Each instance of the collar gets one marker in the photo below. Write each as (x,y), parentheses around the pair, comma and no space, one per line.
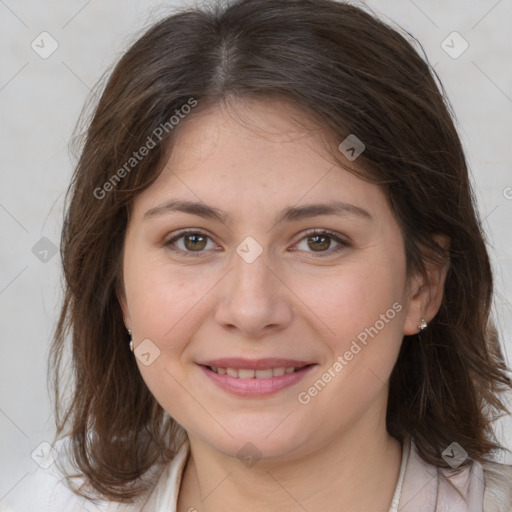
(429,488)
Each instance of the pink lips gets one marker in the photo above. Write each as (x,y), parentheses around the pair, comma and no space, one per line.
(254,387)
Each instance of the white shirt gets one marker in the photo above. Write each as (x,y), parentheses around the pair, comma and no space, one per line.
(419,488)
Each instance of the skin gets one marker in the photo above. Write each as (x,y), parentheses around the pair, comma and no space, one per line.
(309,303)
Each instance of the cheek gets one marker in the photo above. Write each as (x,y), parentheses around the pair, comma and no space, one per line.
(162,299)
(164,306)
(359,308)
(350,299)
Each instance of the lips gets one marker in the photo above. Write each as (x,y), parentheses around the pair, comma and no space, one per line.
(255,377)
(254,368)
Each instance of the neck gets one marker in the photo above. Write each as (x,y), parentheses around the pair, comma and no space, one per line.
(356,471)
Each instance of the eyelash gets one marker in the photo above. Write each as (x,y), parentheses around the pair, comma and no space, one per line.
(309,234)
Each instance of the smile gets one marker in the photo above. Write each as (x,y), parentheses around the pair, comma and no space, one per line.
(250,382)
(246,373)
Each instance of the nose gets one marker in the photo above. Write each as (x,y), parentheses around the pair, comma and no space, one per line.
(254,299)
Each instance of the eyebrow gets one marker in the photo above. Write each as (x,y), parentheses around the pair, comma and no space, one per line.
(290,214)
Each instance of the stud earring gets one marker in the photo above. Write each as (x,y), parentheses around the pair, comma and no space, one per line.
(131,341)
(422,325)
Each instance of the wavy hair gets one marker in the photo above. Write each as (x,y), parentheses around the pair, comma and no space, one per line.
(350,73)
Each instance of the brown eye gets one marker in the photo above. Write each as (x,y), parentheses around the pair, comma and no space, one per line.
(320,242)
(193,242)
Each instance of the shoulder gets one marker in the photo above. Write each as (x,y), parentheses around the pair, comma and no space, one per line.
(498,487)
(482,487)
(46,490)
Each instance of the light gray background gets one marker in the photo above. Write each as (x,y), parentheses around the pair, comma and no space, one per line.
(40,100)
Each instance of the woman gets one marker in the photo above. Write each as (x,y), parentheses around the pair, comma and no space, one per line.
(277,286)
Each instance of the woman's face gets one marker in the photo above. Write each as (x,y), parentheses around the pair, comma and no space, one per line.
(252,283)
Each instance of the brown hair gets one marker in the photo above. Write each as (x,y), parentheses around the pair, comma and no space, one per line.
(352,74)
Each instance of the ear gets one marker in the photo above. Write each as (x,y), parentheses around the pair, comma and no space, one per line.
(425,296)
(121,295)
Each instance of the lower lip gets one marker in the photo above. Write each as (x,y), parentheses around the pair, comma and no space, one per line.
(256,387)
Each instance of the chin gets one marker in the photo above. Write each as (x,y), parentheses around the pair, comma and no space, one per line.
(252,443)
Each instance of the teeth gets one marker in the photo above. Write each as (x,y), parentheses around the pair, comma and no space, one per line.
(264,374)
(243,373)
(232,372)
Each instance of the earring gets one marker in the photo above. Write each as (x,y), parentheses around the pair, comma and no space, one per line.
(131,341)
(422,325)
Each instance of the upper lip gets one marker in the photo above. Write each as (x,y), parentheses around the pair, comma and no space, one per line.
(254,364)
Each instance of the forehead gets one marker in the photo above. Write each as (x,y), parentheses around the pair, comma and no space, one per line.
(254,153)
(249,129)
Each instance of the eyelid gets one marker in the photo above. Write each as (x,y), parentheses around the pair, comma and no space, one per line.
(342,240)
